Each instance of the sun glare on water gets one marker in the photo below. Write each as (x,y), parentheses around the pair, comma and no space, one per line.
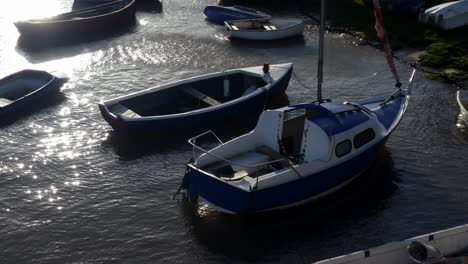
(26,9)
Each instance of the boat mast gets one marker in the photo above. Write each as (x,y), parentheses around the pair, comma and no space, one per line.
(320,58)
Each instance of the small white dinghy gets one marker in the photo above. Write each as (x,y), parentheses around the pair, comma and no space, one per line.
(265,28)
(462,99)
(447,15)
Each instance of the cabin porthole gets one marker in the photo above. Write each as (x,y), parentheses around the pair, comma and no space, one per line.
(343,148)
(364,137)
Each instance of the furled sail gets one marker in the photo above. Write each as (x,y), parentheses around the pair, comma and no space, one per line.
(381,32)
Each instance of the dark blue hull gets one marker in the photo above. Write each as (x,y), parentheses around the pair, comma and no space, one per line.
(27,101)
(231,199)
(218,14)
(195,122)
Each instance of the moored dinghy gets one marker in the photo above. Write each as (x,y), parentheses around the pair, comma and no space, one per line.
(265,29)
(22,89)
(219,14)
(93,19)
(197,103)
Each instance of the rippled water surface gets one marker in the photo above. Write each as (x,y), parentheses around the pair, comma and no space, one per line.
(72,191)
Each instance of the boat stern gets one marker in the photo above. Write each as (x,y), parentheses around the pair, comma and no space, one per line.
(217,192)
(113,120)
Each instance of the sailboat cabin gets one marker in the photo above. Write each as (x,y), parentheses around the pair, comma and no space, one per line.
(306,134)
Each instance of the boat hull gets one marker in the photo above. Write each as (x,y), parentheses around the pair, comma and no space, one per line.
(72,27)
(219,14)
(450,242)
(196,121)
(189,123)
(230,199)
(39,94)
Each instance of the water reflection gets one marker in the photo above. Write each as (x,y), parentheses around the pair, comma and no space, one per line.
(18,10)
(255,236)
(295,42)
(130,148)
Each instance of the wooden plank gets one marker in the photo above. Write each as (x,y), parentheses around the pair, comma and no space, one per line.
(4,102)
(122,110)
(201,96)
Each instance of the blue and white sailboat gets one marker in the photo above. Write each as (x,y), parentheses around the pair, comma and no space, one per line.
(295,154)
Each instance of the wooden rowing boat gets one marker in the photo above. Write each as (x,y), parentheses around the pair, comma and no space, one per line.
(25,88)
(98,18)
(198,103)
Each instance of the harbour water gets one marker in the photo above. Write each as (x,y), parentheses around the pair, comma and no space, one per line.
(71,191)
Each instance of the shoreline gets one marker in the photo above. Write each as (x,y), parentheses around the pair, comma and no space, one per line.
(406,55)
(440,55)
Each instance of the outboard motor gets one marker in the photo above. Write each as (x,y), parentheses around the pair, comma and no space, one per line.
(422,253)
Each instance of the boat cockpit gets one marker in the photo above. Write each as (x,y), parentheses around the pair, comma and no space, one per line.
(287,137)
(189,96)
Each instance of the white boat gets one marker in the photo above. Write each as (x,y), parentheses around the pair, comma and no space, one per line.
(448,242)
(447,15)
(462,99)
(265,28)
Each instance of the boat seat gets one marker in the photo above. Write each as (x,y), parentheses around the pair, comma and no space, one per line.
(122,110)
(234,27)
(269,27)
(4,102)
(275,155)
(201,96)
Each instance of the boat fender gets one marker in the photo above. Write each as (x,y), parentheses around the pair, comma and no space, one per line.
(227,91)
(266,73)
(422,253)
(266,68)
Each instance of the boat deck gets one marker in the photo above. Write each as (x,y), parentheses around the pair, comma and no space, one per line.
(234,170)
